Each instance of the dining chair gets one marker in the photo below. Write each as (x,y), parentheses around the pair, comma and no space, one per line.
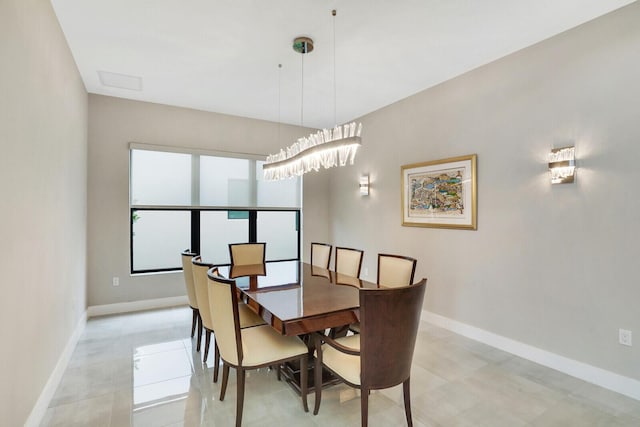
(247,253)
(249,348)
(186,256)
(393,271)
(380,356)
(348,261)
(321,254)
(247,317)
(200,269)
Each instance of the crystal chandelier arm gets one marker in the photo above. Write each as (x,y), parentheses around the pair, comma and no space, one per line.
(315,151)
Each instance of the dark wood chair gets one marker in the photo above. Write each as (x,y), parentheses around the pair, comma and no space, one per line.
(349,261)
(393,271)
(247,253)
(196,322)
(249,348)
(381,355)
(321,254)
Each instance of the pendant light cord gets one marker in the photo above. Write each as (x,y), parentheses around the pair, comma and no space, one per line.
(279,99)
(302,92)
(335,96)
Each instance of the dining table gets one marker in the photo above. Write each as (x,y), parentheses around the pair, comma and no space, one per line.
(297,299)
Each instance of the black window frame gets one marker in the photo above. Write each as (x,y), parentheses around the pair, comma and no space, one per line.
(195,230)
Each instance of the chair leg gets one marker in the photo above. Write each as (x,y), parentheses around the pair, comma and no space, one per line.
(407,402)
(199,331)
(364,406)
(304,373)
(207,338)
(225,379)
(240,398)
(194,321)
(317,369)
(216,360)
(339,332)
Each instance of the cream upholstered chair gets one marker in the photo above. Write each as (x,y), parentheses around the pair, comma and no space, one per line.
(247,253)
(348,261)
(393,271)
(321,254)
(247,317)
(248,348)
(380,357)
(200,269)
(186,256)
(348,264)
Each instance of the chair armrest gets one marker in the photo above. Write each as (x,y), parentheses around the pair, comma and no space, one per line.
(320,338)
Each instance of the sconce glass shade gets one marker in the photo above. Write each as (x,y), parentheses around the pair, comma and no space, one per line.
(364,185)
(562,165)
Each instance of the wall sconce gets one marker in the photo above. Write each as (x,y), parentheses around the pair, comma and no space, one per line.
(562,165)
(364,185)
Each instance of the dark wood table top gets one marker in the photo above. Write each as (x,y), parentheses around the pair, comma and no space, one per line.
(297,298)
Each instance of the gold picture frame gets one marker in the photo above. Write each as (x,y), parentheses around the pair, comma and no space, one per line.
(440,193)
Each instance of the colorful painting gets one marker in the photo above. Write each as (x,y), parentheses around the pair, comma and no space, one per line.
(440,193)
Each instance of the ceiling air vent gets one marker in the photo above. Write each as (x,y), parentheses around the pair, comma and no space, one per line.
(120,81)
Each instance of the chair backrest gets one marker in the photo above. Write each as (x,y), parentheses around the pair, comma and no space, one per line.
(247,253)
(224,314)
(389,320)
(202,290)
(321,254)
(186,256)
(348,261)
(395,270)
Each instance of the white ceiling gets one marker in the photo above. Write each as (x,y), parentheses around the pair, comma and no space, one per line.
(223,55)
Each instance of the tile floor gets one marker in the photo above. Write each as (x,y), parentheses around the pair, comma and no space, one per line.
(141,369)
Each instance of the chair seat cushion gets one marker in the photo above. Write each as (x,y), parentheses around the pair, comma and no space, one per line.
(262,345)
(345,365)
(248,317)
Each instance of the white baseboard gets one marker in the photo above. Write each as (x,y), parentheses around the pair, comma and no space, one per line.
(607,379)
(40,408)
(128,307)
(42,404)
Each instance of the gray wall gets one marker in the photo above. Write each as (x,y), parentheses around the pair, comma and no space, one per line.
(43,124)
(551,266)
(113,123)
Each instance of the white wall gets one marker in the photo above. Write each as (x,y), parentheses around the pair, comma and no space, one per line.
(551,266)
(43,124)
(113,123)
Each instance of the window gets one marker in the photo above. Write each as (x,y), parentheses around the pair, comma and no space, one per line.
(203,202)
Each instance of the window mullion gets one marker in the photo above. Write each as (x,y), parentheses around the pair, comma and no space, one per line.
(195,180)
(253,184)
(253,226)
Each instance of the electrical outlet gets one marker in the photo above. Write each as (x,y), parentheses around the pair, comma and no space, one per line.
(365,272)
(116,281)
(625,337)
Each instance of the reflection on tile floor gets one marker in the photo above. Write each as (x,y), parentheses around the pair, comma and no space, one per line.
(141,369)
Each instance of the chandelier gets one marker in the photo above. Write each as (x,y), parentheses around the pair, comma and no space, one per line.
(326,148)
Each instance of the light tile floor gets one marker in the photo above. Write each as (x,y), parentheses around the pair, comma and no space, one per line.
(141,369)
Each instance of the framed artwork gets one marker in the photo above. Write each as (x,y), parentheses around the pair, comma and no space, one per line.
(440,193)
